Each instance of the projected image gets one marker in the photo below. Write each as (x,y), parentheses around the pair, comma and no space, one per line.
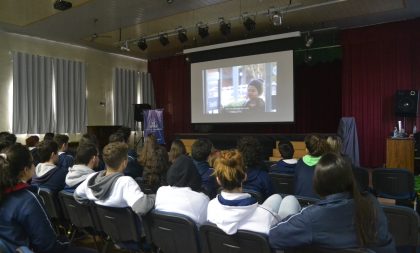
(240,89)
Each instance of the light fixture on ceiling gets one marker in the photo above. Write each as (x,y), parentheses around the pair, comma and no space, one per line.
(62,5)
(142,44)
(163,38)
(249,23)
(203,30)
(276,17)
(224,26)
(124,47)
(182,35)
(169,1)
(309,40)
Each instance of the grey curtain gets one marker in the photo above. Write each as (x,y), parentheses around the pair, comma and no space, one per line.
(32,94)
(347,130)
(125,96)
(146,89)
(70,90)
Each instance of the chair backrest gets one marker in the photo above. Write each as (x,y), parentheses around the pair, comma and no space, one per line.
(283,183)
(362,178)
(403,224)
(51,203)
(214,240)
(313,249)
(119,223)
(256,195)
(79,214)
(173,233)
(306,201)
(393,183)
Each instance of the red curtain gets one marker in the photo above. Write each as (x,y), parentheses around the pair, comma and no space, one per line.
(378,61)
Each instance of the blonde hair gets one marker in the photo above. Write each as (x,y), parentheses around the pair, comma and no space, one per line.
(334,144)
(229,169)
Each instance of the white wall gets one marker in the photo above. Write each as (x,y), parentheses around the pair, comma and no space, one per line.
(99,67)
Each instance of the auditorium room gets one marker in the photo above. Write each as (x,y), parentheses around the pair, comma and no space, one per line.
(209,126)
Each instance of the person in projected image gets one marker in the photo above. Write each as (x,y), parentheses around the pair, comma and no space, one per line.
(254,102)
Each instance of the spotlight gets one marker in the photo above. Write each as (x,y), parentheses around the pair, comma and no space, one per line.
(62,5)
(142,44)
(249,24)
(124,47)
(182,35)
(163,38)
(309,40)
(276,18)
(203,30)
(169,1)
(224,27)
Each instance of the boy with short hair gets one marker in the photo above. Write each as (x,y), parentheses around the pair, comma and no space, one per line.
(287,164)
(65,161)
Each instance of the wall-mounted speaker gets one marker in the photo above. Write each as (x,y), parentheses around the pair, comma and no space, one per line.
(138,111)
(406,103)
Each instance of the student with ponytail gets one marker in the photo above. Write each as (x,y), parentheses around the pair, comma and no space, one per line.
(343,219)
(23,219)
(232,209)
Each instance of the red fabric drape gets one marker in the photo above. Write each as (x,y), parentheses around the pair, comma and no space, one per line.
(378,61)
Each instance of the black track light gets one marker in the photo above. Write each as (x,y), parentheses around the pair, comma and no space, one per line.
(62,5)
(142,44)
(163,38)
(249,24)
(182,35)
(224,27)
(203,31)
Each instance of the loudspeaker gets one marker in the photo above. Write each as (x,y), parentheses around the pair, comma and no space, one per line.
(138,111)
(406,103)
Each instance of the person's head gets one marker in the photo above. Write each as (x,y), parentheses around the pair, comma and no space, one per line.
(334,144)
(62,141)
(6,140)
(183,173)
(286,149)
(126,132)
(155,167)
(177,149)
(49,136)
(255,88)
(150,144)
(116,137)
(229,170)
(251,151)
(200,150)
(333,174)
(115,156)
(87,154)
(16,165)
(48,151)
(32,141)
(315,145)
(88,138)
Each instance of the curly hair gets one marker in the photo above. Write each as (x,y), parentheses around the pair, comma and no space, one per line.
(251,150)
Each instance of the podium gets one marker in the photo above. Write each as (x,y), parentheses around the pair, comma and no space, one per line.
(400,153)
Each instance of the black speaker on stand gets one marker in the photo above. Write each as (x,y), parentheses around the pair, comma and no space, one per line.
(139,118)
(406,103)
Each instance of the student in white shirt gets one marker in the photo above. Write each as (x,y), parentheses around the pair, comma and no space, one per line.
(87,158)
(110,187)
(232,209)
(183,195)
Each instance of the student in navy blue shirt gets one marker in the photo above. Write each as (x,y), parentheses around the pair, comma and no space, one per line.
(287,164)
(200,151)
(47,173)
(343,219)
(257,179)
(65,160)
(133,168)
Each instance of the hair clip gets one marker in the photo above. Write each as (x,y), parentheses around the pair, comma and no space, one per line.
(3,155)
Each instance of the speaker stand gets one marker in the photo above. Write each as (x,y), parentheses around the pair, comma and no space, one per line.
(140,141)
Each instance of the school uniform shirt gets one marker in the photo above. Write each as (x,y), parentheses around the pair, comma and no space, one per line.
(115,190)
(77,174)
(304,172)
(329,224)
(285,166)
(183,200)
(49,176)
(208,182)
(234,211)
(258,180)
(65,161)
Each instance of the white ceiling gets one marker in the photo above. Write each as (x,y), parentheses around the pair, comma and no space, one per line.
(132,19)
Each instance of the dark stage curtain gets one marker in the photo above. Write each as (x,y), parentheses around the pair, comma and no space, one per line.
(378,61)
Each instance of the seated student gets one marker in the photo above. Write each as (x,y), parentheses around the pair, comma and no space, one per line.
(133,168)
(177,149)
(183,194)
(6,139)
(22,216)
(48,136)
(86,160)
(305,167)
(232,209)
(288,163)
(200,151)
(47,173)
(91,138)
(110,187)
(343,219)
(65,161)
(258,179)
